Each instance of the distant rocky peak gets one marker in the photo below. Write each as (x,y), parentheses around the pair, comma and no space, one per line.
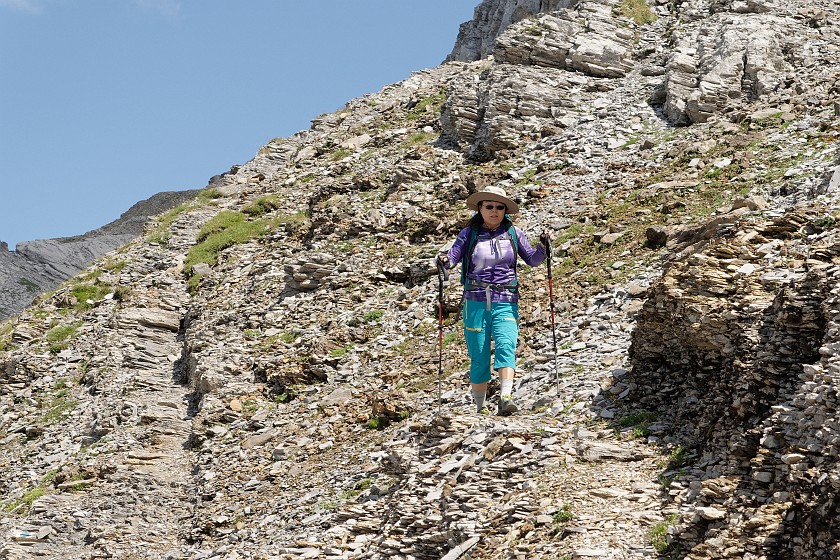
(476,38)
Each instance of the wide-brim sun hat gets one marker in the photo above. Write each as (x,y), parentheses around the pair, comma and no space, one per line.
(496,194)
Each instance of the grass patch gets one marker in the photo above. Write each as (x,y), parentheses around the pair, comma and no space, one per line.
(677,458)
(296,223)
(82,482)
(343,351)
(208,195)
(419,138)
(339,154)
(373,316)
(658,535)
(378,423)
(86,294)
(59,337)
(430,104)
(23,504)
(226,229)
(528,178)
(114,267)
(6,331)
(160,233)
(563,515)
(262,206)
(59,407)
(639,422)
(637,10)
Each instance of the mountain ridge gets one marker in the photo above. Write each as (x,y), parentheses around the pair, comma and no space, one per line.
(40,265)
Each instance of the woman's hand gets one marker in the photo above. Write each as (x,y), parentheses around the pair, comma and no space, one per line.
(546,237)
(442,261)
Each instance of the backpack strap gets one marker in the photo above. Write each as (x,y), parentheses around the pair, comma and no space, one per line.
(514,242)
(466,258)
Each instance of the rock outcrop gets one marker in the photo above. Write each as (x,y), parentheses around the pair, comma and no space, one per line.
(746,52)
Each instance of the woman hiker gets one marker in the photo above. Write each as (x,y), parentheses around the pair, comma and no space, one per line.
(487,249)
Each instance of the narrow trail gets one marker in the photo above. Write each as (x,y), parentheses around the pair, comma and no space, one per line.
(132,490)
(557,476)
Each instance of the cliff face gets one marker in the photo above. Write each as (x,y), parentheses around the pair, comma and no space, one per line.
(735,349)
(38,266)
(257,375)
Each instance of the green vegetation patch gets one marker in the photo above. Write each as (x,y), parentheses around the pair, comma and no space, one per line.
(85,293)
(343,351)
(677,458)
(209,194)
(373,316)
(160,233)
(639,422)
(430,104)
(89,289)
(58,407)
(23,504)
(6,331)
(637,10)
(420,138)
(378,423)
(658,535)
(59,337)
(563,515)
(339,154)
(114,266)
(262,206)
(295,224)
(226,229)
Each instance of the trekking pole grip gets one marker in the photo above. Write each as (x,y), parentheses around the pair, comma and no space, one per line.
(545,239)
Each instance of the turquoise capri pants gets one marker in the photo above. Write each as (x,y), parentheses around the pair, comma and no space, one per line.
(499,323)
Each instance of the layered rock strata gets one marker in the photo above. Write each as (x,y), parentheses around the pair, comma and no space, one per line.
(735,350)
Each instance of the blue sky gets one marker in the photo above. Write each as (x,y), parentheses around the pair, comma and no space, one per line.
(106,102)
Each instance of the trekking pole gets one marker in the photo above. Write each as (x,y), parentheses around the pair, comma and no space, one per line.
(547,243)
(441,277)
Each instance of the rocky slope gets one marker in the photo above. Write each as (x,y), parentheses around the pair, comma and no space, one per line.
(38,266)
(257,376)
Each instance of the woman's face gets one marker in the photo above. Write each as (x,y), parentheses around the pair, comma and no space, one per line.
(493,213)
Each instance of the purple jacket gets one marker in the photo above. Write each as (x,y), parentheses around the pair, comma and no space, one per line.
(493,261)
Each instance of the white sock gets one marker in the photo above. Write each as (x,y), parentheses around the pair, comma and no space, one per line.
(507,387)
(479,399)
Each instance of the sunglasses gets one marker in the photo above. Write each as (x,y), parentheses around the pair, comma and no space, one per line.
(492,206)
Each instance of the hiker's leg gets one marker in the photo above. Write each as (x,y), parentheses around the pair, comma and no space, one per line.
(505,327)
(477,337)
(506,381)
(506,334)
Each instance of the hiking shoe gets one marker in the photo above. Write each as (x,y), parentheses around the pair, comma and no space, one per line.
(485,411)
(506,406)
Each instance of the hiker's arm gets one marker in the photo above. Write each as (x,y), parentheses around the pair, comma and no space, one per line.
(457,250)
(532,256)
